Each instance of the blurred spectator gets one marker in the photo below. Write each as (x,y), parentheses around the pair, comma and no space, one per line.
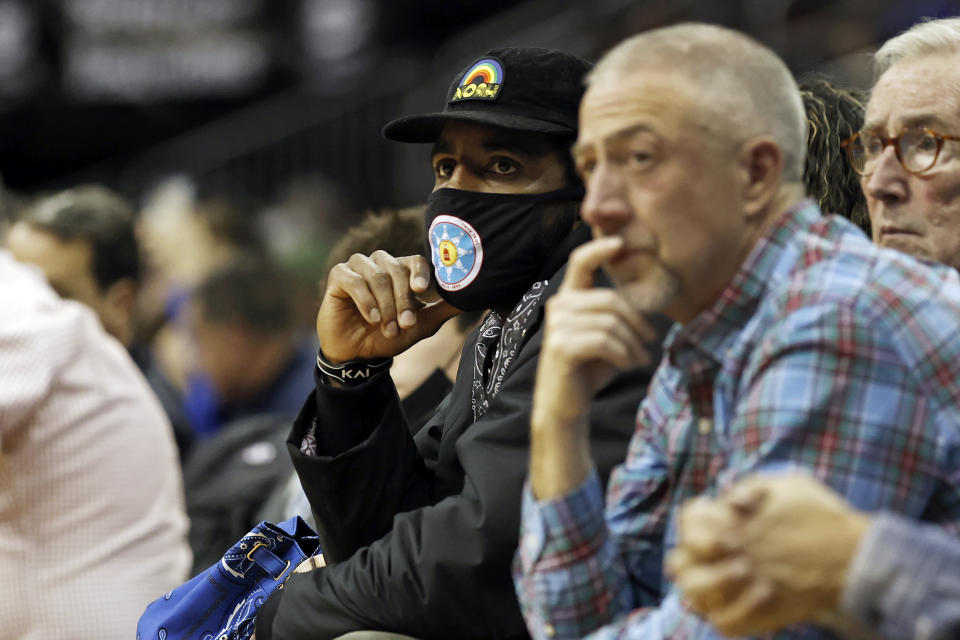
(833,115)
(184,240)
(258,371)
(228,478)
(241,321)
(9,207)
(396,231)
(83,241)
(91,501)
(298,229)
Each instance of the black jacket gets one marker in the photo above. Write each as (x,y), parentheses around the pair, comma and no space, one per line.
(419,534)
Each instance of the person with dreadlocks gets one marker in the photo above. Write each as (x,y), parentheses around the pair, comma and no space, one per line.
(834,113)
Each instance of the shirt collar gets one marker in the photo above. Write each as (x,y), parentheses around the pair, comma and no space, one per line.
(712,332)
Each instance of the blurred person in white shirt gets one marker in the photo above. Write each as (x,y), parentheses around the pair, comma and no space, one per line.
(83,240)
(92,526)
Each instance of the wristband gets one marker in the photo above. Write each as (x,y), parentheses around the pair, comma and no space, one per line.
(352,372)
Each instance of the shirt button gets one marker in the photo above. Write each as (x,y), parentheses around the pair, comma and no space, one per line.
(704,426)
(549,630)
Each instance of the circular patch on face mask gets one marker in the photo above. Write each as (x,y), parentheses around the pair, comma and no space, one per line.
(456,252)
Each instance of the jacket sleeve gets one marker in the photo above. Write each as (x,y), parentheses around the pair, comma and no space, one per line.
(443,571)
(366,467)
(904,580)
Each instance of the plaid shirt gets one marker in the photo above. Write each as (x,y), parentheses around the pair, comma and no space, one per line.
(824,353)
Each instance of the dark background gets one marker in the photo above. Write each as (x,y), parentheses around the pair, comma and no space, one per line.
(262,98)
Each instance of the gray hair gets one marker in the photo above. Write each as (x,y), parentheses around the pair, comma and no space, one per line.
(745,87)
(925,38)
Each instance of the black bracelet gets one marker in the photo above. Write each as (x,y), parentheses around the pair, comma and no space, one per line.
(352,372)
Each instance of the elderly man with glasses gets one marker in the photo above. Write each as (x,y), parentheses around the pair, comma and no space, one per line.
(780,540)
(907,151)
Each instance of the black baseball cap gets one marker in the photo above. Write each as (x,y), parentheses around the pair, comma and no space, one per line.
(518,88)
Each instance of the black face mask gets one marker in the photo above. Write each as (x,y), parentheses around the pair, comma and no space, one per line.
(487,249)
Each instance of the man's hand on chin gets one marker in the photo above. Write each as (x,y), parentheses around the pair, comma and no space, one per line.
(590,334)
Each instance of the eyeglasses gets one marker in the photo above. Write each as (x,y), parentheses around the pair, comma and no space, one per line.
(916,149)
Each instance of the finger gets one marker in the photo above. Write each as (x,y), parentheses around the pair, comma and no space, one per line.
(430,317)
(566,325)
(708,528)
(403,297)
(747,496)
(586,259)
(590,346)
(344,282)
(604,300)
(752,611)
(381,286)
(419,268)
(678,560)
(708,587)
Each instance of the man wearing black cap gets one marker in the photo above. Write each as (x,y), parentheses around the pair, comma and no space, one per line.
(418,533)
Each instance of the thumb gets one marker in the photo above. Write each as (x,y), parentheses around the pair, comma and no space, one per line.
(586,259)
(419,268)
(430,317)
(746,497)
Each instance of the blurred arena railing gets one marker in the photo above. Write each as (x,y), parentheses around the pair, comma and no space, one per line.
(255,151)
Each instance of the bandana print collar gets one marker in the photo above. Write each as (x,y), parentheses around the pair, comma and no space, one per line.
(497,345)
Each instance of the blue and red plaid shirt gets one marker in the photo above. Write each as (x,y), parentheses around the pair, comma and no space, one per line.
(824,353)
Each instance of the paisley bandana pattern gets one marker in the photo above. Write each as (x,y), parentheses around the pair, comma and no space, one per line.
(497,345)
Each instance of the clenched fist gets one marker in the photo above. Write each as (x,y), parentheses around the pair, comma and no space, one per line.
(770,552)
(373,307)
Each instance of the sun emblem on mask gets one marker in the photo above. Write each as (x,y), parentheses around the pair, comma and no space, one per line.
(447,252)
(457,252)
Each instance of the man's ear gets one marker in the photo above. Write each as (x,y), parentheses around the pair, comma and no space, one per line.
(761,160)
(121,297)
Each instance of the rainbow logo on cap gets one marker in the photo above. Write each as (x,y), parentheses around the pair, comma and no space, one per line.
(482,81)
